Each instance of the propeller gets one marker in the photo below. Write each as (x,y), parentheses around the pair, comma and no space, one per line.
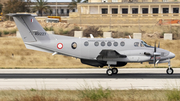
(159,45)
(154,55)
(154,61)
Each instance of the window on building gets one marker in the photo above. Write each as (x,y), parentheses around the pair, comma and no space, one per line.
(62,11)
(175,10)
(73,10)
(114,11)
(154,0)
(67,11)
(124,10)
(50,11)
(144,10)
(165,0)
(57,11)
(145,0)
(114,0)
(104,11)
(125,0)
(134,10)
(133,0)
(165,10)
(155,10)
(104,0)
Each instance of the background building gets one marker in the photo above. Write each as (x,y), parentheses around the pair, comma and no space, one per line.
(62,9)
(125,12)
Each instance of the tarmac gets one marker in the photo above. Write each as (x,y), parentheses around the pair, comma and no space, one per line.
(79,79)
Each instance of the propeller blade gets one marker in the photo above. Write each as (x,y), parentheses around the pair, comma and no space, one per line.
(154,61)
(157,62)
(159,45)
(155,47)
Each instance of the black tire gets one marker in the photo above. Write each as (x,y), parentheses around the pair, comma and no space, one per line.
(114,70)
(169,71)
(109,72)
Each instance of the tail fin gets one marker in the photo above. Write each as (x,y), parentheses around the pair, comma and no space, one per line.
(29,28)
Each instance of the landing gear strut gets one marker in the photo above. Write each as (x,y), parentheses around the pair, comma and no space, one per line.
(112,71)
(169,70)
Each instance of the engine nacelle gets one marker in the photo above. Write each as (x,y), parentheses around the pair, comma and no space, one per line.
(101,63)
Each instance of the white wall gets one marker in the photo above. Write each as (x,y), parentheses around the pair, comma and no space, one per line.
(93,10)
(94,1)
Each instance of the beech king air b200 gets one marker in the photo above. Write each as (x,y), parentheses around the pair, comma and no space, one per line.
(97,52)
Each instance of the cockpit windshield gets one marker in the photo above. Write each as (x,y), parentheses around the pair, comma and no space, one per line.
(145,44)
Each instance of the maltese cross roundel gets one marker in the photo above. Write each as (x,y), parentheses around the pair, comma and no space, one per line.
(59,45)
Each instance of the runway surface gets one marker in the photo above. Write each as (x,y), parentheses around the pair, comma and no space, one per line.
(92,76)
(73,79)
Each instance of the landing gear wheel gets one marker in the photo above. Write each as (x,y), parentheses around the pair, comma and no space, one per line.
(169,71)
(114,70)
(109,72)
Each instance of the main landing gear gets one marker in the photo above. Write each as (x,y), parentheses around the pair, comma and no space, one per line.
(169,70)
(112,71)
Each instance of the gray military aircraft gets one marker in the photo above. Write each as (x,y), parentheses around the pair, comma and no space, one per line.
(97,52)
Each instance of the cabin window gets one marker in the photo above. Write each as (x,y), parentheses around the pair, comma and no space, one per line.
(122,43)
(115,44)
(136,44)
(103,43)
(96,43)
(141,45)
(109,43)
(86,43)
(74,45)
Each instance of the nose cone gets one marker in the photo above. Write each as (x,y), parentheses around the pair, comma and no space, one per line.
(171,55)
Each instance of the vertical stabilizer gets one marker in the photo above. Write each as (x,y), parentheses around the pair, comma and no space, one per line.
(29,28)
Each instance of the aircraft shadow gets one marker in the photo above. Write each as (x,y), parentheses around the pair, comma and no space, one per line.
(91,75)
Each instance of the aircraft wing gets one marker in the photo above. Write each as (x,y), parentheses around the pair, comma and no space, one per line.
(107,54)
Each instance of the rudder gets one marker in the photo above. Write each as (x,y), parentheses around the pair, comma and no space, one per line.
(29,28)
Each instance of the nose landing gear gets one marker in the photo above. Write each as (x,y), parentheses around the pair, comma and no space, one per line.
(112,71)
(169,71)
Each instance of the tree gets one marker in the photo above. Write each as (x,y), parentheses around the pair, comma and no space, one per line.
(1,6)
(85,1)
(73,4)
(41,6)
(14,6)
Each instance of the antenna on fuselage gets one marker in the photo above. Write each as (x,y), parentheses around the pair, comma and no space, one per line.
(91,36)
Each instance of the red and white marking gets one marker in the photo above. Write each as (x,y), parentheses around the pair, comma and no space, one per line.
(31,20)
(59,45)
